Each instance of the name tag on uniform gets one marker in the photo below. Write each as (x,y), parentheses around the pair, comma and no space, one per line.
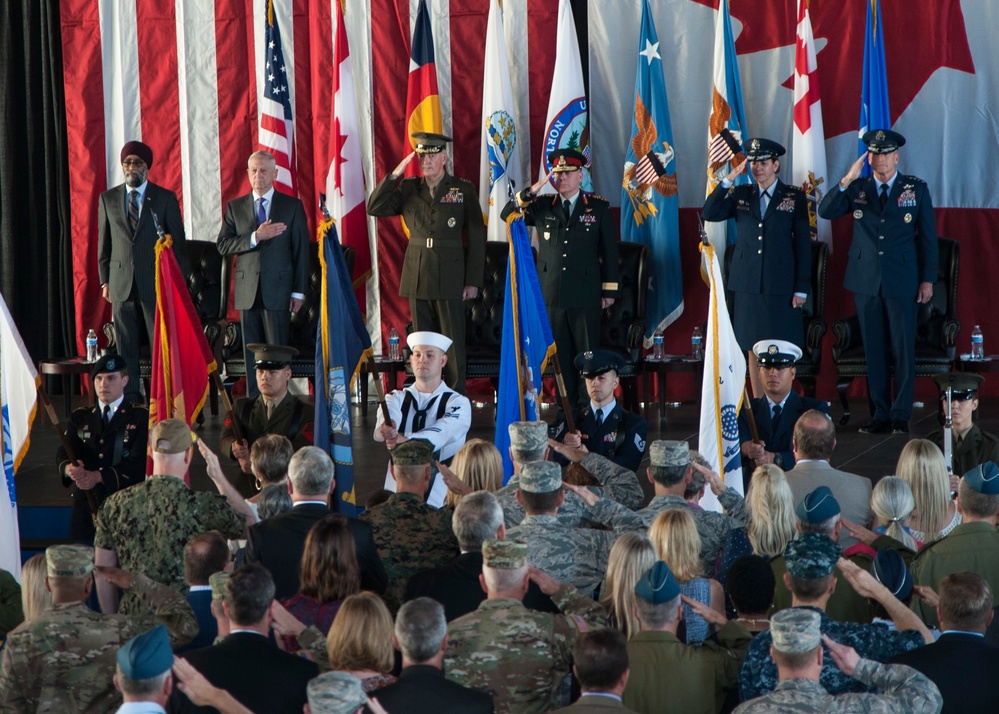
(907,199)
(742,205)
(787,205)
(453,196)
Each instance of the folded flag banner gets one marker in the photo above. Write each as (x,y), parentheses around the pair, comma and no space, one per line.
(342,344)
(723,386)
(527,341)
(19,383)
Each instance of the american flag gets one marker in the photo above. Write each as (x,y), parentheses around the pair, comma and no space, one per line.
(724,145)
(649,168)
(277,129)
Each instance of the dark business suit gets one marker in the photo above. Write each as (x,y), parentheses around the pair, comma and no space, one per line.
(277,543)
(778,441)
(437,267)
(422,687)
(893,251)
(962,667)
(126,263)
(620,436)
(595,704)
(577,266)
(267,274)
(117,451)
(251,668)
(771,259)
(208,628)
(456,586)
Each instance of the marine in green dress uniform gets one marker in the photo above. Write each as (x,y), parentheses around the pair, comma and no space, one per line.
(970,445)
(446,255)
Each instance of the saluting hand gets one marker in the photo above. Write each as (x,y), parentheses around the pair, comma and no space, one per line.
(855,169)
(538,185)
(398,170)
(737,171)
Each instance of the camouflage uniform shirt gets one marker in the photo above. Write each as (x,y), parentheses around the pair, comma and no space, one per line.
(575,555)
(519,656)
(902,688)
(63,660)
(148,524)
(713,527)
(411,537)
(876,642)
(617,483)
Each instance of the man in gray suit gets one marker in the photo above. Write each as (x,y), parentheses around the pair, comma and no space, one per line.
(268,231)
(126,252)
(813,442)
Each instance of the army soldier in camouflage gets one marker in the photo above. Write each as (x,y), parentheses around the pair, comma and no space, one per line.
(571,555)
(666,674)
(529,442)
(441,212)
(797,650)
(670,472)
(336,693)
(145,528)
(410,535)
(109,442)
(517,655)
(811,560)
(64,660)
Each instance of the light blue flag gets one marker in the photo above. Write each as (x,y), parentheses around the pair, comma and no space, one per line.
(649,210)
(527,342)
(874,110)
(342,344)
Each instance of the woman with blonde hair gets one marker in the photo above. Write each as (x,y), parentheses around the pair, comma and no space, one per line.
(892,504)
(479,466)
(35,597)
(630,557)
(674,535)
(360,640)
(921,465)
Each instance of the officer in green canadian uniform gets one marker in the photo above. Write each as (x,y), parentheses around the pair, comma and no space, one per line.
(439,273)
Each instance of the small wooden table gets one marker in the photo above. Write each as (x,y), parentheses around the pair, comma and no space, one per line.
(978,366)
(66,368)
(669,363)
(383,365)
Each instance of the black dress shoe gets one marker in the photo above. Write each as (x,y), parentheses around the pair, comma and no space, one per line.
(900,427)
(876,426)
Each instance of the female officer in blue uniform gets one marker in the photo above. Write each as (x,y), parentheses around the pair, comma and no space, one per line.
(771,262)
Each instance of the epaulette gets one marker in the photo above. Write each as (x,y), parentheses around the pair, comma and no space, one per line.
(791,188)
(914,179)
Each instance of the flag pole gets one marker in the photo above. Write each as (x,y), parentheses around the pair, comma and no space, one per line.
(753,430)
(230,408)
(566,407)
(379,390)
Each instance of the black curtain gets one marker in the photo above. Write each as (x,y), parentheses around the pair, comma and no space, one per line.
(35,249)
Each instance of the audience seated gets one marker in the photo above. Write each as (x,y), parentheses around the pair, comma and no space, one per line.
(269,457)
(246,662)
(205,554)
(479,467)
(921,465)
(751,587)
(360,641)
(328,573)
(630,558)
(143,671)
(892,504)
(11,614)
(421,637)
(600,663)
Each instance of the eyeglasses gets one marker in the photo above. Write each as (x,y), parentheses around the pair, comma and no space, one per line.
(138,163)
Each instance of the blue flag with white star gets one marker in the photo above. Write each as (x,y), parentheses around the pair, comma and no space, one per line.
(649,203)
(874,110)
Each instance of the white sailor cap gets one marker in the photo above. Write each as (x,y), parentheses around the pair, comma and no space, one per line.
(428,339)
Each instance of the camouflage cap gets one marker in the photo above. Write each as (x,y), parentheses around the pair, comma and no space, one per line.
(335,693)
(68,561)
(504,554)
(889,569)
(528,435)
(658,585)
(984,478)
(811,556)
(171,436)
(669,453)
(415,452)
(218,582)
(817,506)
(146,656)
(540,477)
(796,629)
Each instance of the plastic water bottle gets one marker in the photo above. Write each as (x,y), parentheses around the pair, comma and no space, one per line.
(657,346)
(394,345)
(977,344)
(697,343)
(91,346)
